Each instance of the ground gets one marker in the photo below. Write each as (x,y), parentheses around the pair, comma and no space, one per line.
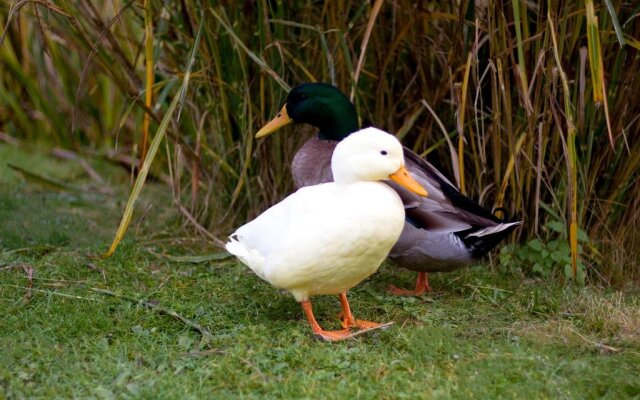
(78,325)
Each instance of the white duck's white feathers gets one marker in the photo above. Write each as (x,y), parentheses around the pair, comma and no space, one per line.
(325,239)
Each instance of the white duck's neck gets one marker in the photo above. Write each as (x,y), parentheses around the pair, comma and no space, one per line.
(347,178)
(348,171)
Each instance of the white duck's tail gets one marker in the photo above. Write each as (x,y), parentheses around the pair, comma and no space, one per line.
(252,258)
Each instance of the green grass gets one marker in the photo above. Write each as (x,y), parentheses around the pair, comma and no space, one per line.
(482,334)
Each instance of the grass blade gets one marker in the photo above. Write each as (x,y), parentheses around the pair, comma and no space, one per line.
(461,115)
(522,72)
(615,22)
(571,155)
(452,150)
(43,181)
(206,335)
(509,170)
(195,259)
(153,149)
(148,55)
(365,42)
(251,54)
(597,68)
(594,51)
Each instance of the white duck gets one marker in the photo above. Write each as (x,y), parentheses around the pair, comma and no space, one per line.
(327,238)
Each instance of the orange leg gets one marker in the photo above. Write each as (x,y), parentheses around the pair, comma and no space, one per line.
(422,287)
(330,336)
(348,321)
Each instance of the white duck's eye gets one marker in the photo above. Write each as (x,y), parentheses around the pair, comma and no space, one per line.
(383,152)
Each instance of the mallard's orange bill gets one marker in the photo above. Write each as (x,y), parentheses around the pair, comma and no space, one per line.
(278,122)
(402,178)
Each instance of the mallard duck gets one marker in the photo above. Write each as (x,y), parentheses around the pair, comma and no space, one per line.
(325,239)
(443,232)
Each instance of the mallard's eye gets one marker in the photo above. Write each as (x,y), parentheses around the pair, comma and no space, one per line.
(383,152)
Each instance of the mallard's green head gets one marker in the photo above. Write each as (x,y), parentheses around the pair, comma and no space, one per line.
(318,104)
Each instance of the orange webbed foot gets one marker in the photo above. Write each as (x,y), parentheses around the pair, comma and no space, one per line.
(332,336)
(318,332)
(422,287)
(396,291)
(348,323)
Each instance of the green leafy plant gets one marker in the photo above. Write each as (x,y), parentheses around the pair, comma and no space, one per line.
(546,258)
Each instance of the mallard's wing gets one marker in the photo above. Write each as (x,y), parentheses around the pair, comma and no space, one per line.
(446,208)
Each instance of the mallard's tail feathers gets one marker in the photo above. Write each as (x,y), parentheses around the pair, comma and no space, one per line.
(480,241)
(492,230)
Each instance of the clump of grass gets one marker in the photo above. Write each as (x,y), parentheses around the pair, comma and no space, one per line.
(537,95)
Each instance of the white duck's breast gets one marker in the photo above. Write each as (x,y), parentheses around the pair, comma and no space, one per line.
(340,242)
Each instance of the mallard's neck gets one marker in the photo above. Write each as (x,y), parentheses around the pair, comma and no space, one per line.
(339,125)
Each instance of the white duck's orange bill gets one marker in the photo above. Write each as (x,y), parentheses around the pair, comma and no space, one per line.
(402,178)
(276,123)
